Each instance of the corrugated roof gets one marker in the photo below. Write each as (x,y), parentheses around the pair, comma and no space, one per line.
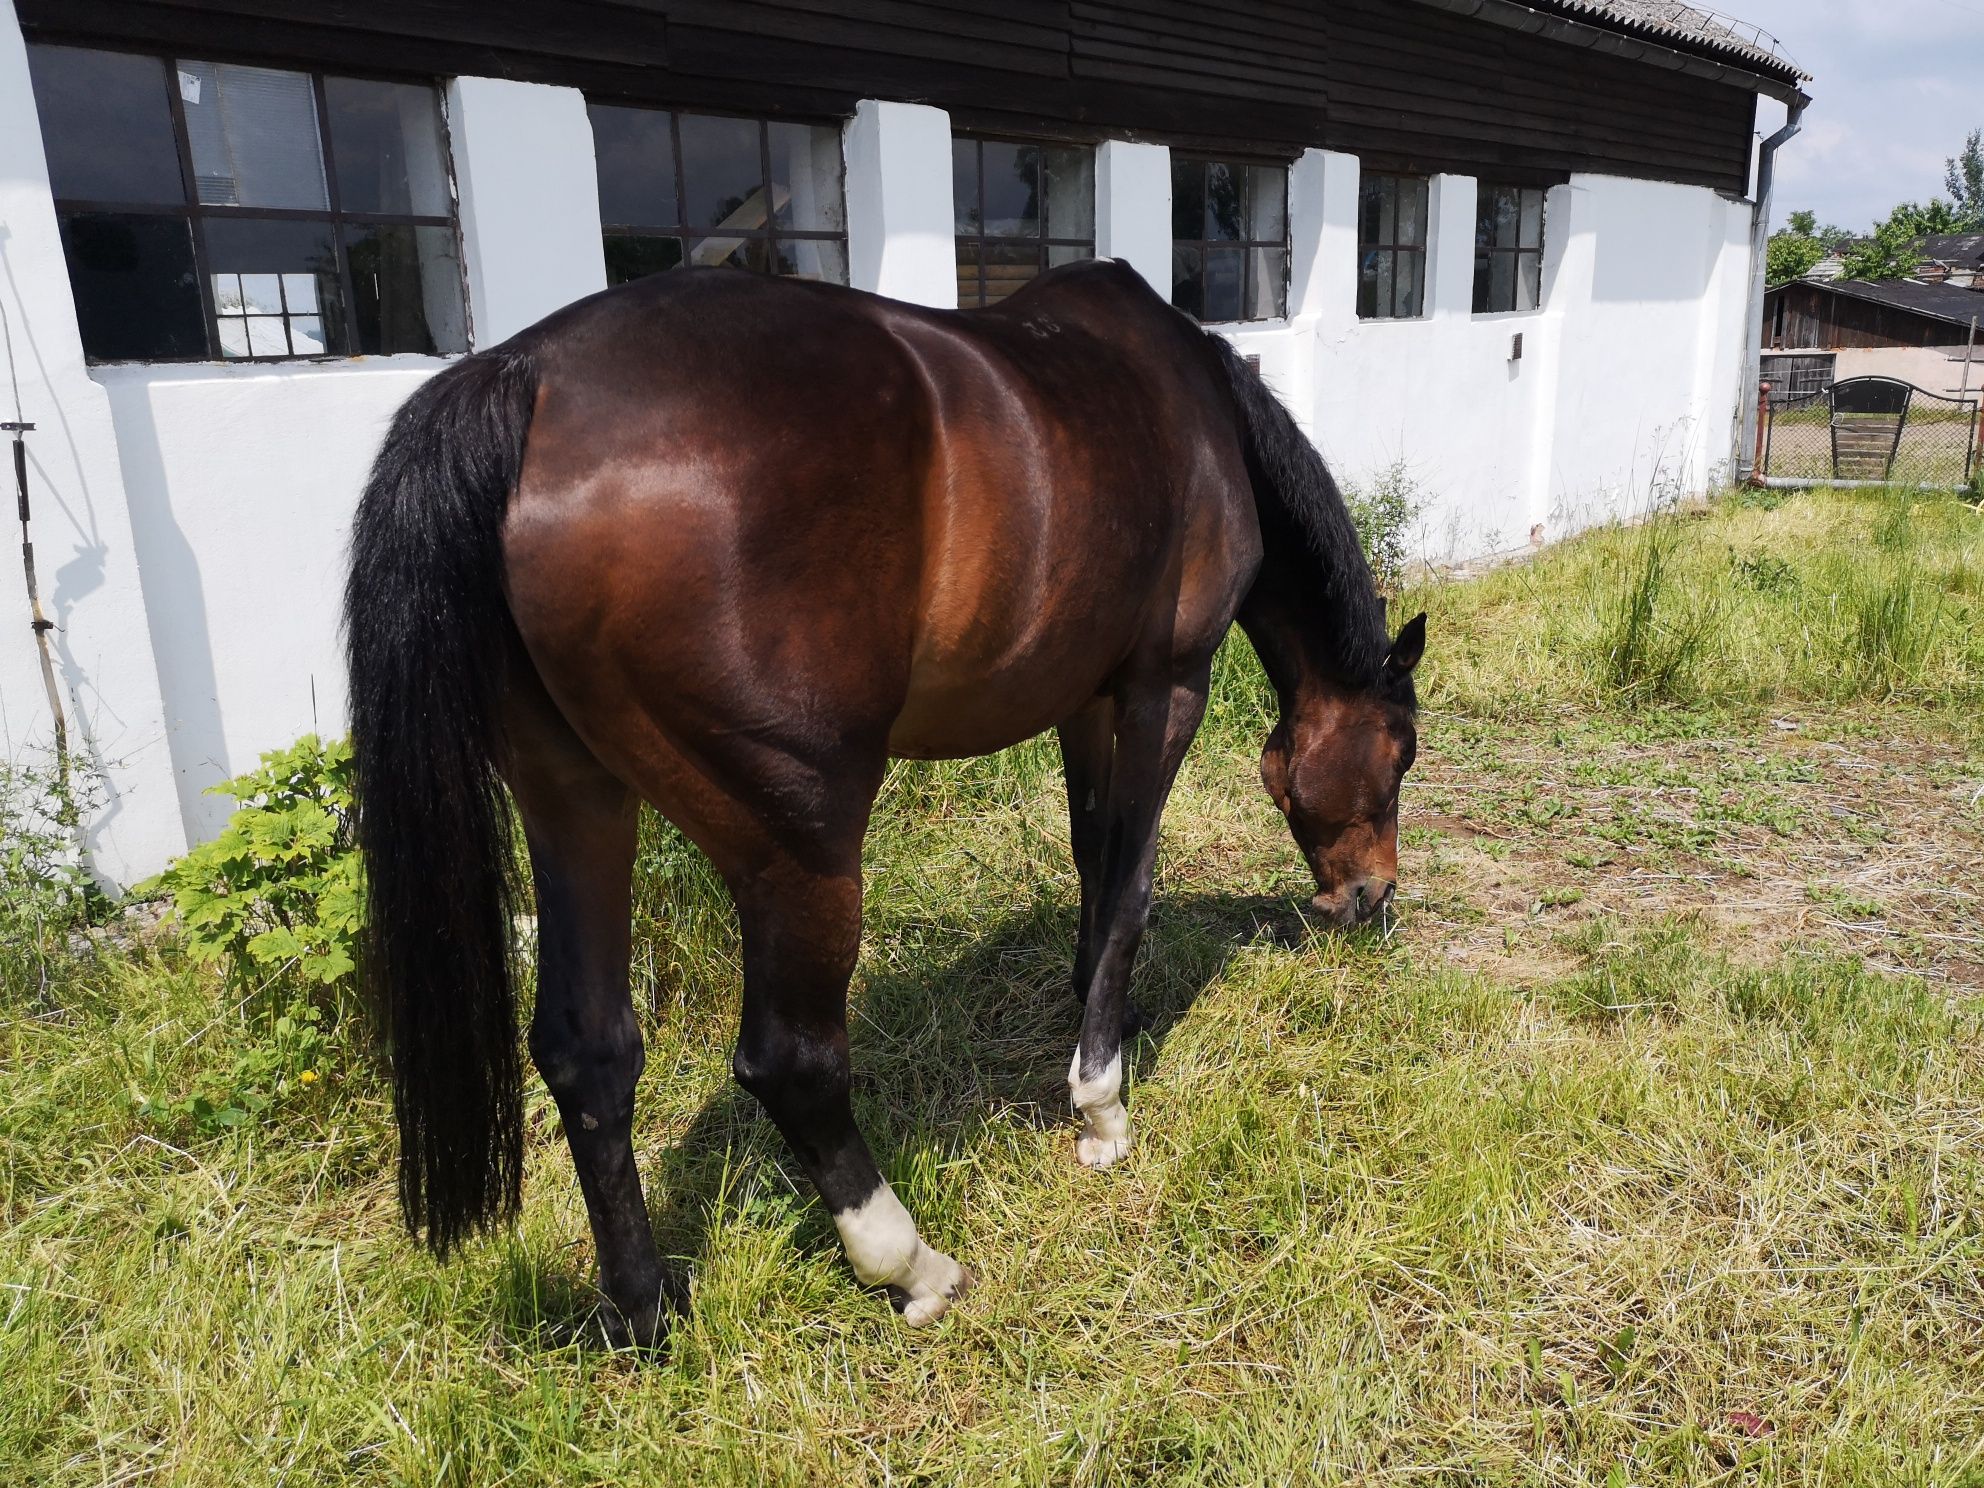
(1691,25)
(1944,302)
(1958,248)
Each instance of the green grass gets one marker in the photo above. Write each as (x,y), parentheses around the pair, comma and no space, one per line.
(1557,1183)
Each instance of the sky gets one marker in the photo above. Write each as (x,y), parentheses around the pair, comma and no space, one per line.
(1897,84)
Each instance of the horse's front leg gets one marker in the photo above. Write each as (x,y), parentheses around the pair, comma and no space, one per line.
(1088,747)
(1155,723)
(802,931)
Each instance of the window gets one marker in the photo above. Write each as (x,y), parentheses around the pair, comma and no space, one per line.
(1020,208)
(1229,239)
(1508,248)
(1391,247)
(710,189)
(212,210)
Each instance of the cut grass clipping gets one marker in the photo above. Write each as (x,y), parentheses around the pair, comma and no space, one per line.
(1648,1147)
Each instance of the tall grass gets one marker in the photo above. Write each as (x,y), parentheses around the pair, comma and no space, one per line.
(1813,597)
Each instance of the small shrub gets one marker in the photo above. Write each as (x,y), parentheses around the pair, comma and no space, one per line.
(45,895)
(280,891)
(1384,511)
(1766,573)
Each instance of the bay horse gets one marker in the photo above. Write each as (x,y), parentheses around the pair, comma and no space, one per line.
(726,544)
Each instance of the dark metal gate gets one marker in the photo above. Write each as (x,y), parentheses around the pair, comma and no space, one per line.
(1871,430)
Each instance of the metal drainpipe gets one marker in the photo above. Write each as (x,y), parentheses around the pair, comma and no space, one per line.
(1753,336)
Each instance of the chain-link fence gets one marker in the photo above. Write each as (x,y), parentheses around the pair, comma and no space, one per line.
(1874,429)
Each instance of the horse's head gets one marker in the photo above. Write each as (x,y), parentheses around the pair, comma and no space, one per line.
(1334,764)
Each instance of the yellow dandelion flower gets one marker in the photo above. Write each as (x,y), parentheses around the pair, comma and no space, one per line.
(308,1077)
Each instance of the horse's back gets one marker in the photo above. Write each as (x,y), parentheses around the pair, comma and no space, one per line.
(760,504)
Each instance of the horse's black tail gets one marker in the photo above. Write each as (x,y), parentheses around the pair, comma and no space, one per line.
(427,632)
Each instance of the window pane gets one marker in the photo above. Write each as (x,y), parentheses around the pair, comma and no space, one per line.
(814,258)
(968,274)
(306,336)
(1382,299)
(806,177)
(634,155)
(1387,210)
(387,147)
(1529,281)
(1409,283)
(1188,201)
(266,337)
(1367,287)
(723,177)
(1267,283)
(1188,287)
(137,297)
(106,122)
(1532,219)
(406,285)
(964,184)
(1267,203)
(731,251)
(1007,267)
(1368,202)
(1066,253)
(1502,281)
(629,258)
(1012,189)
(1412,212)
(1507,214)
(233,337)
(299,292)
(253,134)
(1481,305)
(1070,193)
(1224,268)
(261,294)
(1222,202)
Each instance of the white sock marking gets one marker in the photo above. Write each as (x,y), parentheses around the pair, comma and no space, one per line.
(885,1250)
(1105,1134)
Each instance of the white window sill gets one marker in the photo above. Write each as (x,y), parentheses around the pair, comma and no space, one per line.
(115,373)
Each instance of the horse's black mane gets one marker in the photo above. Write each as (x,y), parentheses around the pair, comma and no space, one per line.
(1304,521)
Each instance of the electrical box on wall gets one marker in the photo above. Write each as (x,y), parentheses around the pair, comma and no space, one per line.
(1515,347)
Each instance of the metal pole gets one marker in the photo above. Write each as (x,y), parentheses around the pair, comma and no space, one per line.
(1753,333)
(37,621)
(1969,345)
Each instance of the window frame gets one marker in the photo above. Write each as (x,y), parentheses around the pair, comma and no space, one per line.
(1484,254)
(1043,240)
(1393,247)
(1245,164)
(687,235)
(195,212)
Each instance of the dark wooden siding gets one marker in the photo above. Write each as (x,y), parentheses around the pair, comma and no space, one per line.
(1802,316)
(1405,85)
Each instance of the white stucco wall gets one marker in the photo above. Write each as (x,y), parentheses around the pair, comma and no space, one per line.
(192,520)
(86,558)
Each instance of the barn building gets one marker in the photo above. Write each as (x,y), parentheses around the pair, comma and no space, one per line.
(1513,245)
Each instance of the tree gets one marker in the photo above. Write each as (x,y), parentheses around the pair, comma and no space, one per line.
(1890,253)
(1790,255)
(1963,175)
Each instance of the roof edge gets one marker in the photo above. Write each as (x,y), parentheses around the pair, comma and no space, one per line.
(1620,36)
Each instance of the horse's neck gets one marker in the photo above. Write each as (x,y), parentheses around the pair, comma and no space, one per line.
(1303,645)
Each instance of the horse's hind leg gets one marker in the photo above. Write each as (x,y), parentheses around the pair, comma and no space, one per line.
(580,823)
(801,920)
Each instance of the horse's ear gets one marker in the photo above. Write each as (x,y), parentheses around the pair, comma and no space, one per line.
(1410,645)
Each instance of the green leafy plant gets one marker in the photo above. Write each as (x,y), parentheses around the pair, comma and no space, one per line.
(286,1061)
(279,893)
(1384,510)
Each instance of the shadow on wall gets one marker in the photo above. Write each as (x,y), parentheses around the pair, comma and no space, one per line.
(176,610)
(82,572)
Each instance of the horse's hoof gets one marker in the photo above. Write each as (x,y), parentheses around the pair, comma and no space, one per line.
(1101,1152)
(940,1281)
